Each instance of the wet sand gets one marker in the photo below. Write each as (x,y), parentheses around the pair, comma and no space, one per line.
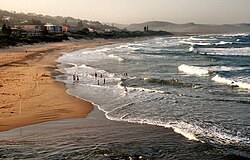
(96,138)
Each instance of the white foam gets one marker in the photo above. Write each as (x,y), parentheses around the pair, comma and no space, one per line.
(193,70)
(139,89)
(122,46)
(225,68)
(230,81)
(222,43)
(84,56)
(201,39)
(115,57)
(226,51)
(191,49)
(132,89)
(194,43)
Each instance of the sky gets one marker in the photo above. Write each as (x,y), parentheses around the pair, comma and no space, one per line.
(137,11)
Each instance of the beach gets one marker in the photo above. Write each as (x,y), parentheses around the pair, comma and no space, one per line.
(45,115)
(28,93)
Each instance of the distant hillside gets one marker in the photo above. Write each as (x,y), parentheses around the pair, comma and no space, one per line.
(11,18)
(190,27)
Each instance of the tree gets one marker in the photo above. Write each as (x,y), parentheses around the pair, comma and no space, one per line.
(80,24)
(6,29)
(65,22)
(34,22)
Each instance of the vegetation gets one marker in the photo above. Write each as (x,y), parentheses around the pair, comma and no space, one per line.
(6,30)
(7,38)
(10,40)
(37,19)
(116,34)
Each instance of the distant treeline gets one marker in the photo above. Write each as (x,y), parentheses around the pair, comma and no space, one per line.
(12,40)
(116,34)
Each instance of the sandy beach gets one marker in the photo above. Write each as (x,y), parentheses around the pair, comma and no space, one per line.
(28,94)
(40,120)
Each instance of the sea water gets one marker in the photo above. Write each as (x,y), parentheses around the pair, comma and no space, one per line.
(197,85)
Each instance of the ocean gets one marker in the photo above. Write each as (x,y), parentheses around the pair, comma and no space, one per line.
(197,85)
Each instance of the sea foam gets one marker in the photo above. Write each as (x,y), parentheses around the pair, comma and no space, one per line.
(193,70)
(231,81)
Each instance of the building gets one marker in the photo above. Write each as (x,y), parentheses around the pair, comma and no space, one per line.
(24,30)
(56,29)
(7,18)
(74,28)
(28,27)
(91,30)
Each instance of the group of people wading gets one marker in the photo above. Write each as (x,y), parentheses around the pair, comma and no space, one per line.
(76,78)
(101,76)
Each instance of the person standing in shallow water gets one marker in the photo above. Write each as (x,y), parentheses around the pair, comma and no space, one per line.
(77,78)
(125,89)
(104,81)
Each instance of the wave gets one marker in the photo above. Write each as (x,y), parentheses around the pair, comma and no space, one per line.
(115,57)
(195,43)
(206,71)
(225,68)
(223,43)
(84,56)
(226,51)
(193,70)
(191,49)
(231,82)
(201,39)
(174,82)
(138,89)
(190,131)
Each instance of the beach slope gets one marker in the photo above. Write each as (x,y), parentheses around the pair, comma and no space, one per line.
(28,94)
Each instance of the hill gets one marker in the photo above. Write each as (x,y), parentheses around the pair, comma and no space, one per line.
(12,18)
(191,28)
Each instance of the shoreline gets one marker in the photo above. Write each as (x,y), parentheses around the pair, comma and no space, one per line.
(93,136)
(27,89)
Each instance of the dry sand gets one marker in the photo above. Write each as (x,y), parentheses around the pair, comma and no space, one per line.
(28,94)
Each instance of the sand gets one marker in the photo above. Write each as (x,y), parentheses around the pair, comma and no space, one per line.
(28,94)
(25,80)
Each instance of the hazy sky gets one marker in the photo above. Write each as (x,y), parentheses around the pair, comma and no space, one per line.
(132,11)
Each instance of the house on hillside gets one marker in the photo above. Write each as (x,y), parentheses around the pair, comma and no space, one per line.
(74,28)
(56,29)
(7,18)
(24,30)
(65,28)
(19,26)
(91,30)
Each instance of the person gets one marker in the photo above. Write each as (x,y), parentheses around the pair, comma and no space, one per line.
(125,88)
(74,77)
(103,80)
(95,74)
(233,85)
(177,81)
(101,75)
(98,82)
(77,78)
